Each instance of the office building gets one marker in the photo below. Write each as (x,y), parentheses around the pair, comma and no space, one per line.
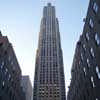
(85,81)
(10,72)
(27,87)
(49,83)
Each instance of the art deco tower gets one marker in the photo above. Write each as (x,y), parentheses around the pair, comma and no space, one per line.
(49,81)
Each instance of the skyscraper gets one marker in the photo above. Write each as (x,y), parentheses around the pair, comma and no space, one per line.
(85,81)
(49,81)
(27,87)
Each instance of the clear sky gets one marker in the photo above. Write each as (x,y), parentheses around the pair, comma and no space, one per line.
(20,21)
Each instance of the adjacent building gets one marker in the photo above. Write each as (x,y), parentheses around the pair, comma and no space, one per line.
(85,81)
(10,72)
(49,83)
(27,87)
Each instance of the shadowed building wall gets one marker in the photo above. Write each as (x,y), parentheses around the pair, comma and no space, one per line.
(85,82)
(10,72)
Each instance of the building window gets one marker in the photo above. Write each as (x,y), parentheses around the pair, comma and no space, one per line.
(91,23)
(79,63)
(3,84)
(98,72)
(97,39)
(9,58)
(12,62)
(84,46)
(2,65)
(84,71)
(82,56)
(95,7)
(92,52)
(9,76)
(6,70)
(92,80)
(87,36)
(88,62)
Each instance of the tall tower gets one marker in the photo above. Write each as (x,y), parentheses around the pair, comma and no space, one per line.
(49,81)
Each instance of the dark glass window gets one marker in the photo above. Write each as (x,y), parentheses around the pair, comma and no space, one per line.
(97,39)
(91,23)
(95,7)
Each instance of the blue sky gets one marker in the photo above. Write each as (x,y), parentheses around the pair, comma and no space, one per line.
(20,21)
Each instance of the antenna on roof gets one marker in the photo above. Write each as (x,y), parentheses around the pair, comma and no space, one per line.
(48,1)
